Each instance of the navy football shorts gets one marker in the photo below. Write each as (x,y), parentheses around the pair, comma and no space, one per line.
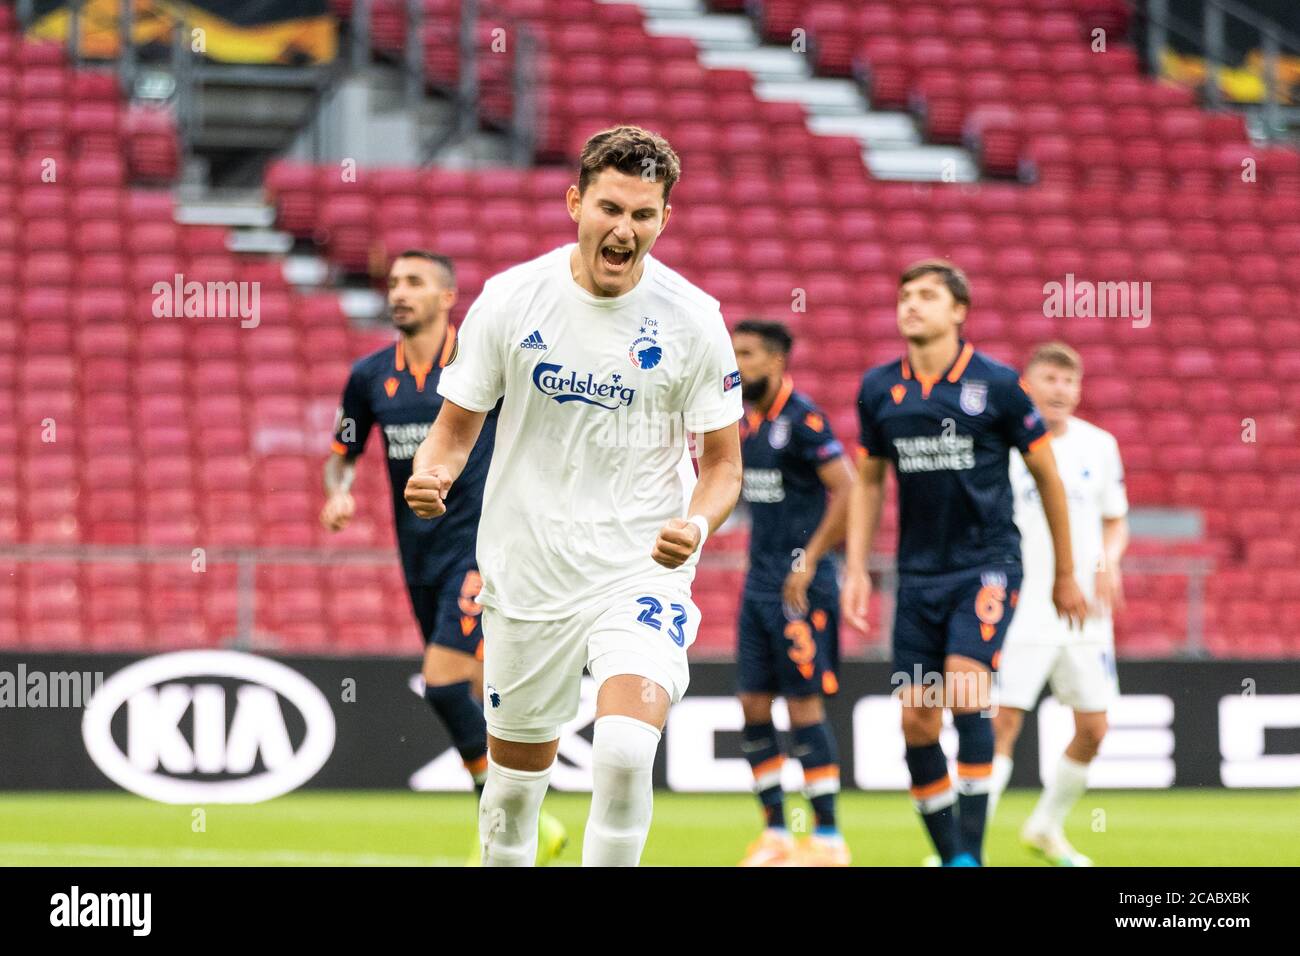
(790,657)
(449,612)
(964,612)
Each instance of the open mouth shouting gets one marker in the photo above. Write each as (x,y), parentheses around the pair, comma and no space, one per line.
(616,258)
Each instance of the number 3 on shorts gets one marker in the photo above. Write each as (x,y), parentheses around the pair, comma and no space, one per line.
(649,617)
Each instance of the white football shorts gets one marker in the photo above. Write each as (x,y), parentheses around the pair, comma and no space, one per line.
(532,669)
(1079,666)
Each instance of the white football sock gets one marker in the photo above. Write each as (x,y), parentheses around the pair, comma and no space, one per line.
(1061,793)
(622,795)
(507,815)
(1002,765)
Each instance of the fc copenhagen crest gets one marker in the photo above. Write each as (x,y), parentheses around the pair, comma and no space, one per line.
(974,397)
(645,353)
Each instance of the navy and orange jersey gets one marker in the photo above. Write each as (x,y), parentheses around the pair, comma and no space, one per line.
(782,451)
(950,440)
(384,389)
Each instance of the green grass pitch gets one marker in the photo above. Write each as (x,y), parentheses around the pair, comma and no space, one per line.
(1167,828)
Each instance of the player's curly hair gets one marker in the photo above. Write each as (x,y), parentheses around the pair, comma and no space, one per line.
(631,150)
(952,277)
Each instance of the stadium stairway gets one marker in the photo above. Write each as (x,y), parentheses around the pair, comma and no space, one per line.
(891,142)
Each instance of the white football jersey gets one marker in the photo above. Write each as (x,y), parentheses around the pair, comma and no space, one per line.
(1087,458)
(590,458)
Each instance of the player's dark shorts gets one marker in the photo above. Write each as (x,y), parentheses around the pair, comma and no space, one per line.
(449,613)
(795,657)
(964,612)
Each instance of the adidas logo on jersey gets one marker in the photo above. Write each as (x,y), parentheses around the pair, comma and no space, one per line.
(533,341)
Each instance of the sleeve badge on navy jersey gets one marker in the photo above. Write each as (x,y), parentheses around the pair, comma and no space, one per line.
(829,450)
(731,380)
(974,397)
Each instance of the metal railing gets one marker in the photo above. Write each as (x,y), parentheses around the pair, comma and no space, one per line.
(1211,40)
(26,13)
(126,63)
(74,31)
(184,75)
(527,105)
(189,71)
(466,93)
(247,562)
(26,10)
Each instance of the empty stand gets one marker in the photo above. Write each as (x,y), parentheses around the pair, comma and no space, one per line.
(196,433)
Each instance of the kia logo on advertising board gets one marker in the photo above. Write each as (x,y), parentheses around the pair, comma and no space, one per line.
(208,727)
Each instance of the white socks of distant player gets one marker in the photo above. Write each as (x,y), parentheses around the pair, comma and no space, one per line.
(1002,765)
(1062,792)
(622,795)
(507,815)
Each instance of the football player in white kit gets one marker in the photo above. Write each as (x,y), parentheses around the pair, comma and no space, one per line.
(593,517)
(1039,646)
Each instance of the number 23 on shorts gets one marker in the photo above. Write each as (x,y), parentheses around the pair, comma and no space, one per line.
(652,608)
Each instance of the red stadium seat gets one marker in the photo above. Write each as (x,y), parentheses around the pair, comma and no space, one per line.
(172,416)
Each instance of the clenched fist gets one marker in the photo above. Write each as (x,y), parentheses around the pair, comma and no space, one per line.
(677,541)
(338,511)
(426,492)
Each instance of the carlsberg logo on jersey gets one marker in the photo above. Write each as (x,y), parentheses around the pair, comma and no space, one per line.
(935,453)
(571,386)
